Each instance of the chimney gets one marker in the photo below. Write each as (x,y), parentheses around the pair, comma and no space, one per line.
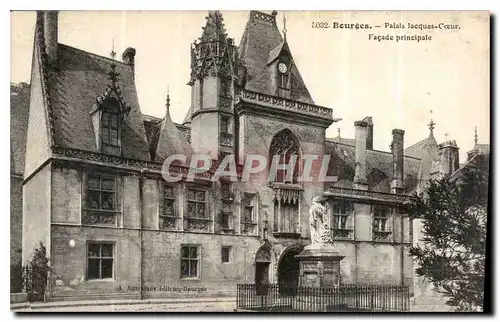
(128,56)
(397,149)
(360,181)
(369,133)
(50,21)
(448,158)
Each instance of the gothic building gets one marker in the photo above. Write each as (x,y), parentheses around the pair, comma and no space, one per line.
(93,190)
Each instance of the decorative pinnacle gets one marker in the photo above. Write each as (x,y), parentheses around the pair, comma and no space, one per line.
(168,99)
(338,131)
(113,75)
(446,136)
(113,53)
(284,26)
(475,136)
(431,124)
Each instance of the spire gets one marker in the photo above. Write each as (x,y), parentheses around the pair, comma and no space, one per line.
(338,131)
(431,125)
(284,27)
(214,28)
(113,75)
(475,136)
(213,53)
(168,100)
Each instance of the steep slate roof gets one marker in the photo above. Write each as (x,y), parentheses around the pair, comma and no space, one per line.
(378,167)
(187,118)
(260,42)
(19,110)
(79,79)
(345,141)
(418,150)
(479,160)
(170,140)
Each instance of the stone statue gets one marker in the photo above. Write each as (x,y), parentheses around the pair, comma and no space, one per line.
(318,222)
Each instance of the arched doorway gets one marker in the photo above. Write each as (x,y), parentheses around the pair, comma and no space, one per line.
(288,272)
(262,261)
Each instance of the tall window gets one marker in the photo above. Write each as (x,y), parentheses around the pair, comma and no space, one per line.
(197,214)
(224,124)
(190,261)
(100,260)
(110,130)
(340,215)
(168,215)
(101,200)
(285,147)
(381,215)
(248,206)
(225,87)
(226,254)
(248,214)
(196,203)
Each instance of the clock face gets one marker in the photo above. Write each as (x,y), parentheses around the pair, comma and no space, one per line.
(282,68)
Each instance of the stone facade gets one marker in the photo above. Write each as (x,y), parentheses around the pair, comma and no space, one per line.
(93,190)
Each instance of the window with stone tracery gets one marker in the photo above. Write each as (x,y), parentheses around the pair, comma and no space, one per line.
(285,150)
(110,127)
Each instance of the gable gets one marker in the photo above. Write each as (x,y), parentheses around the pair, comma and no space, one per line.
(261,41)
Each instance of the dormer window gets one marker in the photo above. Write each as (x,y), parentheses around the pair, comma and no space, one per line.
(106,120)
(110,127)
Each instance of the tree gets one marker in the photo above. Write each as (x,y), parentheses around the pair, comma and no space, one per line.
(452,256)
(36,273)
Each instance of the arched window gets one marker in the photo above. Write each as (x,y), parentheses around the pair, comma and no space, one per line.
(286,148)
(110,127)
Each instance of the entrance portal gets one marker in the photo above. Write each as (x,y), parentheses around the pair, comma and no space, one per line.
(262,261)
(288,273)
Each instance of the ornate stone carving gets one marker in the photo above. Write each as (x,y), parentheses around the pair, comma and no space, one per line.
(287,195)
(286,103)
(225,103)
(226,139)
(262,16)
(169,223)
(198,224)
(117,160)
(97,218)
(367,195)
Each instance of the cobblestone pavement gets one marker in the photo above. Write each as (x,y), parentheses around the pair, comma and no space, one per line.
(152,307)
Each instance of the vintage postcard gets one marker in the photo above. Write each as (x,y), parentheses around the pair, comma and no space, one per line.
(249,161)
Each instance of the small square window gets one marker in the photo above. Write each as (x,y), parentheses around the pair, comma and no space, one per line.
(100,260)
(226,254)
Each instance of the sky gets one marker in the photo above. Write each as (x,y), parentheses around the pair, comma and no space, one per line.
(398,84)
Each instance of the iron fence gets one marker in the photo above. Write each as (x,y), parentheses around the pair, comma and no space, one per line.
(30,279)
(344,298)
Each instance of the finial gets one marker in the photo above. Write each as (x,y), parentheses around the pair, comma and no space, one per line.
(446,136)
(113,53)
(431,124)
(113,75)
(168,99)
(338,131)
(284,26)
(475,135)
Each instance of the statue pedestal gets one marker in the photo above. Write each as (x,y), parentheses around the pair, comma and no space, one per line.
(319,268)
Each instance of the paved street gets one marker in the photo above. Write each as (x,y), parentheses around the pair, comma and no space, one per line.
(143,307)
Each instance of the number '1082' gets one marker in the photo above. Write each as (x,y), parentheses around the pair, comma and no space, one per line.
(320,24)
